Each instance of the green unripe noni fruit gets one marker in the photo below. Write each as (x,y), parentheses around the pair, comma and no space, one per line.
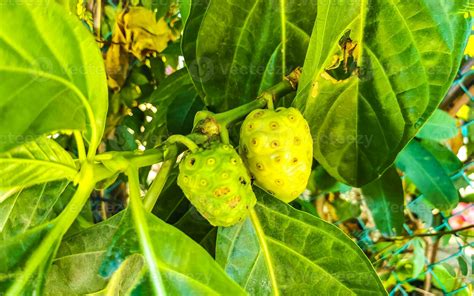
(216,182)
(278,150)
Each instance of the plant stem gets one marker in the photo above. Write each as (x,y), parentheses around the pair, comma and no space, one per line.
(183,140)
(81,148)
(141,226)
(159,183)
(266,98)
(225,118)
(60,226)
(149,157)
(437,234)
(431,252)
(266,253)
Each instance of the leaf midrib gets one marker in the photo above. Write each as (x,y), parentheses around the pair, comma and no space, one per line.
(291,250)
(42,163)
(304,223)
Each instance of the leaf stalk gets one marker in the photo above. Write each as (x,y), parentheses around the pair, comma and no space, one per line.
(60,225)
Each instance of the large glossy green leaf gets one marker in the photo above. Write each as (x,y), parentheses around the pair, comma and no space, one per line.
(445,156)
(177,102)
(75,269)
(127,277)
(374,72)
(28,219)
(32,207)
(426,172)
(304,255)
(186,268)
(53,75)
(35,162)
(189,43)
(14,251)
(441,126)
(385,199)
(242,47)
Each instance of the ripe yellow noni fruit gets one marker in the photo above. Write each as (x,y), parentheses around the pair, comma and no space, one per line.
(277,147)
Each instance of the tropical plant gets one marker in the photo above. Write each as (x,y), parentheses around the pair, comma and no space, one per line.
(202,147)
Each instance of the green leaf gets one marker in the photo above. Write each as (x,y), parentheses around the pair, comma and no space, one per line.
(177,102)
(346,210)
(185,266)
(182,109)
(441,126)
(444,277)
(418,256)
(69,5)
(463,264)
(374,72)
(189,43)
(321,182)
(448,160)
(127,276)
(185,9)
(242,47)
(429,176)
(194,225)
(75,269)
(423,210)
(32,207)
(14,251)
(53,76)
(385,200)
(304,255)
(35,162)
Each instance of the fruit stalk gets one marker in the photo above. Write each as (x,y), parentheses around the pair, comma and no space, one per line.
(183,140)
(157,186)
(138,158)
(266,98)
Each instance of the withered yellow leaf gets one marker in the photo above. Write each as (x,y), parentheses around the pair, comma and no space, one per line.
(136,32)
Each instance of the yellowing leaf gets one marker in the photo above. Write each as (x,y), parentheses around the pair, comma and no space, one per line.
(470,47)
(463,113)
(136,32)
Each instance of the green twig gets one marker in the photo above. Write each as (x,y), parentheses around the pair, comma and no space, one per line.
(141,226)
(149,157)
(266,98)
(158,184)
(138,158)
(437,234)
(235,114)
(183,140)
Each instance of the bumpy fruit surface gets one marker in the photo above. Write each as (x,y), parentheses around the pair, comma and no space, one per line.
(217,183)
(278,150)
